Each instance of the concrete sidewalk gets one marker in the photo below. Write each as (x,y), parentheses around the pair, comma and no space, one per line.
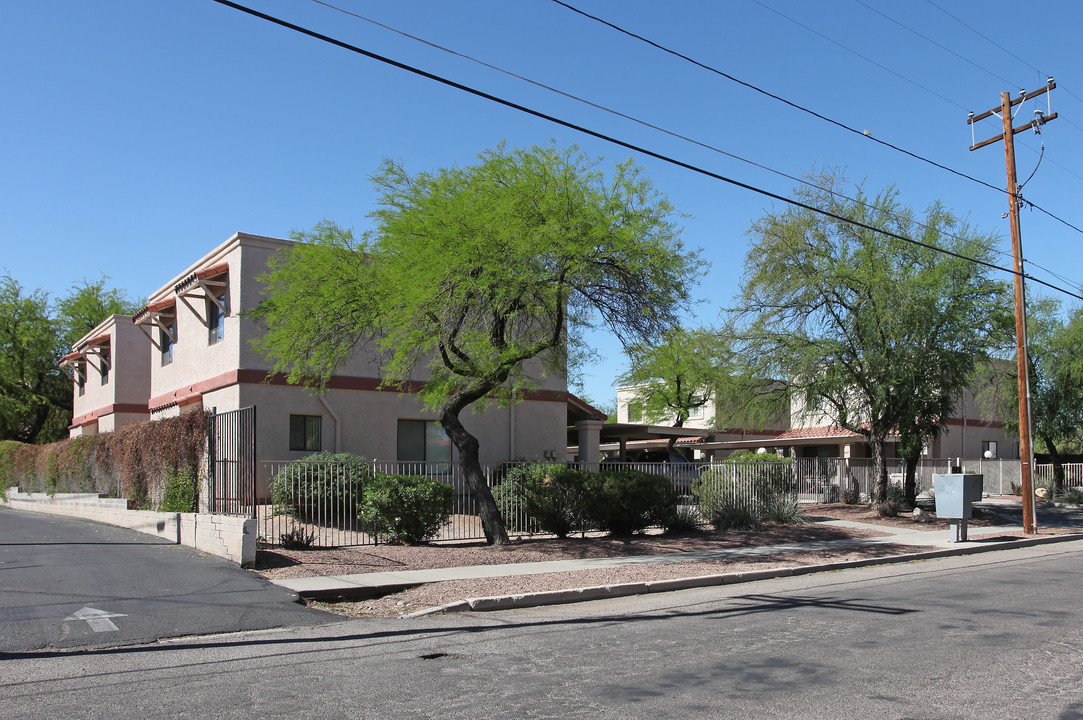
(980,539)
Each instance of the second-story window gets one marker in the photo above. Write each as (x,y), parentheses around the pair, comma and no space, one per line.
(104,365)
(167,339)
(216,319)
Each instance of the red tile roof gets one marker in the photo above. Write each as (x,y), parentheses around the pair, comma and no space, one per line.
(823,431)
(154,307)
(213,271)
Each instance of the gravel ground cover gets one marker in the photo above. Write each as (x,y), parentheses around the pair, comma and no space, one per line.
(437,594)
(905,521)
(281,563)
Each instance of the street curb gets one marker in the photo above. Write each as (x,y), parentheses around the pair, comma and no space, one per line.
(603,592)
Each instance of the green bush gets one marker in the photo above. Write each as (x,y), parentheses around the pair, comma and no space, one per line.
(623,502)
(783,511)
(548,496)
(323,487)
(8,449)
(747,491)
(297,538)
(686,519)
(181,492)
(1072,496)
(895,503)
(406,508)
(735,513)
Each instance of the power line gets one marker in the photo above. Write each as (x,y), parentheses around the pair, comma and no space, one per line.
(867,59)
(1009,52)
(621,143)
(794,105)
(976,32)
(934,42)
(773,96)
(625,116)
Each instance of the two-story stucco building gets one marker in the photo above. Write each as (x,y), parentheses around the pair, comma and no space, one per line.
(974,432)
(191,349)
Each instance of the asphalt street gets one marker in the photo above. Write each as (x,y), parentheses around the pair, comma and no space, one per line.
(71,583)
(998,635)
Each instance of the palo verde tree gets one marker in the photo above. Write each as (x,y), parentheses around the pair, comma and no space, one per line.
(472,272)
(675,375)
(857,323)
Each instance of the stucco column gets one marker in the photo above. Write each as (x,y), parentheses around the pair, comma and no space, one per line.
(590,433)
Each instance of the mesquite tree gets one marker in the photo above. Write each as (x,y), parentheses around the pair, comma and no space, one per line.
(474,271)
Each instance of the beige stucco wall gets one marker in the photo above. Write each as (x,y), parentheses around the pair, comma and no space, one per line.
(368,424)
(194,357)
(367,419)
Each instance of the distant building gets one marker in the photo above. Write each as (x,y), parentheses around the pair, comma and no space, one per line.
(975,432)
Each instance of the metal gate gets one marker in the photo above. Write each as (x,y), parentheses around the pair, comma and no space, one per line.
(231,471)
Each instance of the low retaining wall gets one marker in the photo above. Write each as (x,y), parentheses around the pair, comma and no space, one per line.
(228,536)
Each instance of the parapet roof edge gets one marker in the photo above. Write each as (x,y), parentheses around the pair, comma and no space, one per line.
(215,256)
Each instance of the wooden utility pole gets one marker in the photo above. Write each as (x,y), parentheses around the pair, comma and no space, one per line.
(1026,451)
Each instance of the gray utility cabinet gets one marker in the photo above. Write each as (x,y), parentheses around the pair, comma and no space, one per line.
(955,495)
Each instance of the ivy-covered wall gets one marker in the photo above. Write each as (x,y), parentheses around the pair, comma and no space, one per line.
(135,462)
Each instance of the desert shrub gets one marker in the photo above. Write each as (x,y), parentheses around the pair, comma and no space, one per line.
(736,513)
(297,539)
(895,503)
(546,495)
(406,508)
(744,495)
(685,519)
(181,493)
(322,487)
(783,511)
(852,496)
(623,502)
(1072,496)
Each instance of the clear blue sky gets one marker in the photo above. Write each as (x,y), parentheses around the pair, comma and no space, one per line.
(137,135)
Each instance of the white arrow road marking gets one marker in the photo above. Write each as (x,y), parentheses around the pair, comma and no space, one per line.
(98,620)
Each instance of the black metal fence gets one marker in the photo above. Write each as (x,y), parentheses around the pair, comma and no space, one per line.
(231,463)
(318,502)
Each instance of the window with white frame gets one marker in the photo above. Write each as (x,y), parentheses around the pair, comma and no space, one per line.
(989,449)
(306,433)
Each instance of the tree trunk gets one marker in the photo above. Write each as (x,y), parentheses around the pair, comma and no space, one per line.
(1058,467)
(879,469)
(467,445)
(911,485)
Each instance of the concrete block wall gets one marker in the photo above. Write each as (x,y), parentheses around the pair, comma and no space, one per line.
(233,538)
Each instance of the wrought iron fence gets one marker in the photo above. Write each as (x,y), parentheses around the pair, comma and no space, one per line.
(318,502)
(231,463)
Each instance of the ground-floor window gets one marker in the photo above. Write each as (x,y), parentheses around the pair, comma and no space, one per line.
(989,449)
(306,433)
(423,441)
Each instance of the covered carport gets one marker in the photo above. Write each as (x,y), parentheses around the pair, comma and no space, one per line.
(586,448)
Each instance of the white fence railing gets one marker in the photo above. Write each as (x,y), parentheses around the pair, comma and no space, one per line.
(317,503)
